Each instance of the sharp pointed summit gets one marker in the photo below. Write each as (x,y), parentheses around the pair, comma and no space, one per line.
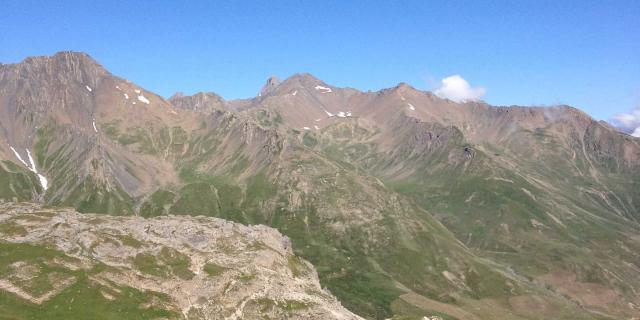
(269,86)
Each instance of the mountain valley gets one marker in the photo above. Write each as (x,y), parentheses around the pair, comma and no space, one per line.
(407,205)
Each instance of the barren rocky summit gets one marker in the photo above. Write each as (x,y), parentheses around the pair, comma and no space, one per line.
(57,263)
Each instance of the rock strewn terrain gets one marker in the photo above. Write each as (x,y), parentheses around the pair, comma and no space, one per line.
(173,266)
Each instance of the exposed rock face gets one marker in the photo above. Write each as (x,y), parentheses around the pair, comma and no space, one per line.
(203,268)
(268,87)
(206,102)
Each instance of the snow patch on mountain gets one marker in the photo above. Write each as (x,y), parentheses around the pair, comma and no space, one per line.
(88,88)
(323,89)
(43,180)
(340,114)
(143,99)
(94,125)
(411,107)
(18,156)
(33,164)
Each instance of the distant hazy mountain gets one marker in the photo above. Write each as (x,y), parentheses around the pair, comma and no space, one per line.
(408,205)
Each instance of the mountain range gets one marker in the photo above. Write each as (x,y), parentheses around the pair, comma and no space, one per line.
(407,205)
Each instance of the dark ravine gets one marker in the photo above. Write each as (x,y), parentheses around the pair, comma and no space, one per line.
(408,205)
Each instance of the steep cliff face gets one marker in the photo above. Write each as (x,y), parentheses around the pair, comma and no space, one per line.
(59,263)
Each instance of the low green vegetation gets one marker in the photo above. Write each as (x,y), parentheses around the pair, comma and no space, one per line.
(213,269)
(297,267)
(266,305)
(178,262)
(293,305)
(17,183)
(157,204)
(81,299)
(84,300)
(168,262)
(130,241)
(308,140)
(11,229)
(407,311)
(148,264)
(92,197)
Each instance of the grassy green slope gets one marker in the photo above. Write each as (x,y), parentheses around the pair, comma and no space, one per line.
(382,216)
(544,214)
(17,183)
(84,299)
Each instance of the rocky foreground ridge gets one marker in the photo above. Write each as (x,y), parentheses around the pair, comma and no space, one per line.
(57,263)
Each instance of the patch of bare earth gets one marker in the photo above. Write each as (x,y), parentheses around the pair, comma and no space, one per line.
(531,305)
(428,304)
(590,295)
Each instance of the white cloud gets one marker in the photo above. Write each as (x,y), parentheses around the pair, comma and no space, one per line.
(456,88)
(628,122)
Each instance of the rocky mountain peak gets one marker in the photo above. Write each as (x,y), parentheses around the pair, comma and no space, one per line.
(65,64)
(268,87)
(302,81)
(401,88)
(404,86)
(64,81)
(201,101)
(305,79)
(177,95)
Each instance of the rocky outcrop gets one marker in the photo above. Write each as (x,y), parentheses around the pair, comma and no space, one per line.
(206,102)
(268,87)
(205,268)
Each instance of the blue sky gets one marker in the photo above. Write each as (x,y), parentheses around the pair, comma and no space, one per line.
(582,53)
